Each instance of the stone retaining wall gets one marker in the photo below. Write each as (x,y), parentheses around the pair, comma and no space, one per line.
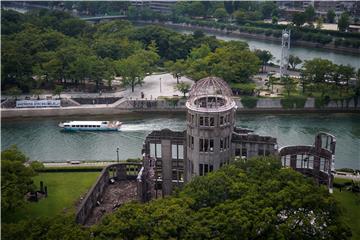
(127,106)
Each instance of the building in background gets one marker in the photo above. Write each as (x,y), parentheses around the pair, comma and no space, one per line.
(156,6)
(321,7)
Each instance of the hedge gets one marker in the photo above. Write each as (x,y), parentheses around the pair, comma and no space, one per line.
(72,169)
(321,101)
(249,102)
(293,102)
(243,88)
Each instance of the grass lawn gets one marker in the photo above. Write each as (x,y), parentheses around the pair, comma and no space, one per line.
(64,189)
(350,203)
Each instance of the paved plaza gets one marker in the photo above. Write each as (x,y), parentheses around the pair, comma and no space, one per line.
(154,86)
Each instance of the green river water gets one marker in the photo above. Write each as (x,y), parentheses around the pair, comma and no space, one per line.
(41,139)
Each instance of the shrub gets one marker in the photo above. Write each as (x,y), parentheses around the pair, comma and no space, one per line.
(37,166)
(338,42)
(293,102)
(249,102)
(268,32)
(243,88)
(321,101)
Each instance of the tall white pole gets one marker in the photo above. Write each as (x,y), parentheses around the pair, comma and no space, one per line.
(285,46)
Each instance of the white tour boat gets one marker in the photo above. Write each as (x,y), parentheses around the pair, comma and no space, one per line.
(91,125)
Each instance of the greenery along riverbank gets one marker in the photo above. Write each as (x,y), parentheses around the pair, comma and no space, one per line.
(248,18)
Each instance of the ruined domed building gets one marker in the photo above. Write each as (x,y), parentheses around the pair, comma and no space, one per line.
(209,141)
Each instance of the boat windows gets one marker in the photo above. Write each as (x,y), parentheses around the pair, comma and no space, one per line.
(76,126)
(66,125)
(104,123)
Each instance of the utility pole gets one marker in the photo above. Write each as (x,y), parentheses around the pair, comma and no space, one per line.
(117,154)
(160,84)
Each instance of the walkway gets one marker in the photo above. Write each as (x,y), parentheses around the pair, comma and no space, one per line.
(152,87)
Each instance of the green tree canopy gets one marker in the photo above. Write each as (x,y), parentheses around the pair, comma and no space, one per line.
(220,14)
(134,68)
(15,180)
(183,87)
(294,61)
(178,68)
(310,14)
(248,200)
(343,22)
(299,19)
(330,16)
(264,56)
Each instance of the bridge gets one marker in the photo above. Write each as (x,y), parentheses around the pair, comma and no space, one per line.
(101,18)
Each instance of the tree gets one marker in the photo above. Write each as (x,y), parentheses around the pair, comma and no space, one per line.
(299,19)
(319,23)
(252,199)
(264,56)
(37,92)
(183,87)
(221,14)
(330,16)
(58,90)
(310,14)
(196,9)
(289,84)
(240,16)
(343,22)
(267,9)
(345,73)
(177,68)
(134,68)
(294,61)
(15,180)
(274,20)
(14,91)
(271,82)
(131,72)
(73,26)
(317,70)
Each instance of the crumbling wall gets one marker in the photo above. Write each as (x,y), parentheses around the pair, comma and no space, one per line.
(97,190)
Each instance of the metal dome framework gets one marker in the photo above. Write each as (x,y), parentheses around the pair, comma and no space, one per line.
(211,94)
(210,86)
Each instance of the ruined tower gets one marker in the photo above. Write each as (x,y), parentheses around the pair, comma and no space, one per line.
(210,124)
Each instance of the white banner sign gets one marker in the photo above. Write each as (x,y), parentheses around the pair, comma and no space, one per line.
(37,103)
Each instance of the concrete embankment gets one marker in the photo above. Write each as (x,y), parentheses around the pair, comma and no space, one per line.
(272,106)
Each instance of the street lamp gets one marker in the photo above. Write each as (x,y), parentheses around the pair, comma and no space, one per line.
(117,154)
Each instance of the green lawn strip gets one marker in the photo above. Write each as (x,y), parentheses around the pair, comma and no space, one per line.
(64,190)
(350,203)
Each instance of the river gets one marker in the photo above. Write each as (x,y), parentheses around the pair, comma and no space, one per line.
(41,139)
(275,49)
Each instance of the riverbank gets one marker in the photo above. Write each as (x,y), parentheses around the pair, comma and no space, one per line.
(86,165)
(262,37)
(103,111)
